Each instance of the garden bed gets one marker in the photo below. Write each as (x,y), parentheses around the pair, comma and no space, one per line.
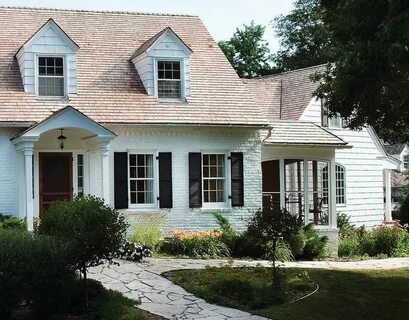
(349,295)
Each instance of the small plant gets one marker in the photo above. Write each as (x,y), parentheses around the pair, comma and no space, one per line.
(315,245)
(200,244)
(93,230)
(12,222)
(146,234)
(344,225)
(133,251)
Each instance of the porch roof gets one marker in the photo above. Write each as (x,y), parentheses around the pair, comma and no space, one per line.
(299,133)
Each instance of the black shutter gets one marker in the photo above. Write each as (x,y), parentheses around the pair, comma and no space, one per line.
(121,180)
(237,179)
(195,179)
(165,180)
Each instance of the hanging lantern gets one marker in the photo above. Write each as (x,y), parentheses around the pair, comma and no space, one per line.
(62,139)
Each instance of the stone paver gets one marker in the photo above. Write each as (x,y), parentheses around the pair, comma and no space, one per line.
(143,282)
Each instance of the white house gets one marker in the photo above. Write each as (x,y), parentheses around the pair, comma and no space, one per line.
(145,111)
(360,165)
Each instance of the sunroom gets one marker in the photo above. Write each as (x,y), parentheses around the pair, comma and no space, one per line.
(300,174)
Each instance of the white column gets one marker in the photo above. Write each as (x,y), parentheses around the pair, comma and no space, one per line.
(332,195)
(104,148)
(282,184)
(388,196)
(306,193)
(28,179)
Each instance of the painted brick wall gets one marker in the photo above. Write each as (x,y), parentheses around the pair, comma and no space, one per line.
(9,173)
(181,141)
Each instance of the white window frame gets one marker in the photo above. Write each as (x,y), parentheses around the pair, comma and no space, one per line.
(154,204)
(406,162)
(344,188)
(182,78)
(227,188)
(335,122)
(37,75)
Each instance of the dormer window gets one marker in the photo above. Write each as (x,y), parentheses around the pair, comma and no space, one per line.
(169,80)
(51,77)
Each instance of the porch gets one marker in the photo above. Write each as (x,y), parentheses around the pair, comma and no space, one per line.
(60,157)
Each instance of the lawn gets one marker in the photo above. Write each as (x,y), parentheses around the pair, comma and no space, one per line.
(342,295)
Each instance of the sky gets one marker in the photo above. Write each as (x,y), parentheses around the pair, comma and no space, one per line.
(221,17)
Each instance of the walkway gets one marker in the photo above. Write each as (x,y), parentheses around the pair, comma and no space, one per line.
(143,282)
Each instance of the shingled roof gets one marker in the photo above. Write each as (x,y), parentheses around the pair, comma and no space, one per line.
(109,88)
(296,92)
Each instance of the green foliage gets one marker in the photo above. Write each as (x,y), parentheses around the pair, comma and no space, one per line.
(388,241)
(198,248)
(148,234)
(229,236)
(368,81)
(12,222)
(93,230)
(35,275)
(315,245)
(404,208)
(247,51)
(304,38)
(344,225)
(296,243)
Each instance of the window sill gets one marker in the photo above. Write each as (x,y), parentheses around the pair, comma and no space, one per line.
(169,100)
(210,209)
(131,211)
(43,98)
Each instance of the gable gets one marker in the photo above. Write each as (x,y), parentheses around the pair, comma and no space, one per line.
(50,39)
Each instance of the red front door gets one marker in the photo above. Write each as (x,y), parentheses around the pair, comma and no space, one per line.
(55,178)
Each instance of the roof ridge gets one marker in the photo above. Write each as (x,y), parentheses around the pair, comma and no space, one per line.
(96,11)
(291,71)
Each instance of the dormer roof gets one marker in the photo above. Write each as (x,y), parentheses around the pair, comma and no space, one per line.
(156,38)
(44,28)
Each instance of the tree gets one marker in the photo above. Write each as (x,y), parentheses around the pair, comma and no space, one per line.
(368,83)
(93,230)
(247,51)
(304,38)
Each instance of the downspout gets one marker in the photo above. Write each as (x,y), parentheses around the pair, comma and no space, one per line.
(268,135)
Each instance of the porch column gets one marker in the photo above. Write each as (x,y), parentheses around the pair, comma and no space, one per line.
(388,196)
(332,195)
(28,182)
(104,149)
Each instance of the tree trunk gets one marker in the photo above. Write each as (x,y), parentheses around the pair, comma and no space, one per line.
(84,273)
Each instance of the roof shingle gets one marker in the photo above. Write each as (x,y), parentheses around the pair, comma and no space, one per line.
(109,88)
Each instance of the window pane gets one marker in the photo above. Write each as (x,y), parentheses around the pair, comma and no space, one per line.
(141,175)
(214,177)
(169,89)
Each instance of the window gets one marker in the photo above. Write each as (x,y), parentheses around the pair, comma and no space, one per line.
(51,77)
(169,80)
(80,175)
(406,162)
(214,178)
(330,122)
(339,183)
(141,179)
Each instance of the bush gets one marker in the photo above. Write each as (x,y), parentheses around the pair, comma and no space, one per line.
(147,234)
(93,230)
(315,245)
(12,222)
(202,244)
(344,225)
(133,251)
(385,240)
(35,277)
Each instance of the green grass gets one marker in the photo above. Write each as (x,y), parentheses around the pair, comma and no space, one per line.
(342,294)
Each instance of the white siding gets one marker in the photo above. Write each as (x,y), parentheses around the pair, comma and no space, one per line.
(9,173)
(364,171)
(167,47)
(180,142)
(49,41)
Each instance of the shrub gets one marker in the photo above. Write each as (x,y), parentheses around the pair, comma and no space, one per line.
(385,240)
(133,251)
(94,231)
(344,225)
(315,245)
(12,222)
(146,234)
(202,244)
(35,277)
(296,243)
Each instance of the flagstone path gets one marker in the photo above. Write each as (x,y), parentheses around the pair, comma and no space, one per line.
(143,282)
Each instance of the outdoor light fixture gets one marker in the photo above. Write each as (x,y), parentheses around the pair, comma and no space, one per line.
(61,139)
